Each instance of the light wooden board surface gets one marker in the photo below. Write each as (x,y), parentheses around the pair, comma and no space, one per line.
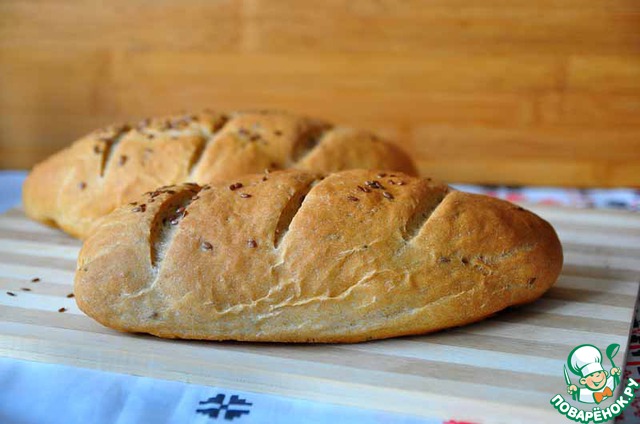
(534,91)
(504,369)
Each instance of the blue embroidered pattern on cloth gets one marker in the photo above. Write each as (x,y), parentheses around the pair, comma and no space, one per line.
(622,198)
(235,407)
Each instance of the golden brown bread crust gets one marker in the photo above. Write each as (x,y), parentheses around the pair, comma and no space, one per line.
(110,167)
(292,257)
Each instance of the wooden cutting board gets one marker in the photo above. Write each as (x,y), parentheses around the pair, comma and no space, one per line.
(503,369)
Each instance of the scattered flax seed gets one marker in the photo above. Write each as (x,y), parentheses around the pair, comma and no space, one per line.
(374,184)
(145,122)
(141,208)
(353,198)
(206,187)
(194,198)
(444,260)
(70,295)
(35,280)
(62,310)
(180,210)
(123,160)
(206,246)
(235,186)
(264,178)
(164,125)
(364,189)
(97,149)
(252,243)
(278,132)
(11,294)
(465,261)
(400,182)
(150,136)
(184,122)
(382,175)
(245,195)
(25,289)
(387,195)
(531,281)
(133,204)
(82,185)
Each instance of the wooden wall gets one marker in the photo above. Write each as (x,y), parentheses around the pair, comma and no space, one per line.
(508,91)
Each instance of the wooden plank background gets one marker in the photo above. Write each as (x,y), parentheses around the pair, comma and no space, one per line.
(491,91)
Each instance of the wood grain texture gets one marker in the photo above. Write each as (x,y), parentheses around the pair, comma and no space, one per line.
(503,369)
(515,92)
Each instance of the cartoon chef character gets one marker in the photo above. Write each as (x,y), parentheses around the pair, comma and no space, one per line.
(586,361)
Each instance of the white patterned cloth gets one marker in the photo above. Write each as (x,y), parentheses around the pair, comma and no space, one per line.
(35,393)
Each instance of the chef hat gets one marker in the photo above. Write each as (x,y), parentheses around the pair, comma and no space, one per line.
(584,360)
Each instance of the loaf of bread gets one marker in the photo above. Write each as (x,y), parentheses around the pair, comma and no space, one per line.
(294,257)
(110,167)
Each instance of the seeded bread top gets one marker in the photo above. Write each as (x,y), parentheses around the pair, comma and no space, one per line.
(111,166)
(292,256)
